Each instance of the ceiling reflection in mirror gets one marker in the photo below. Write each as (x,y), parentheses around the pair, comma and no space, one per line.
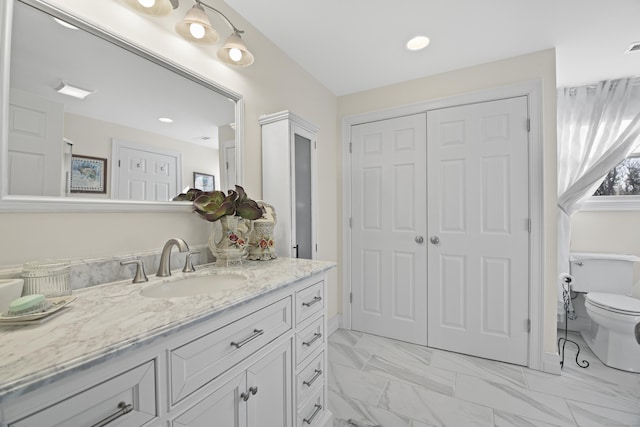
(140,133)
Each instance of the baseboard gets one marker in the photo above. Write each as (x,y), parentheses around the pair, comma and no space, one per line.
(334,323)
(551,363)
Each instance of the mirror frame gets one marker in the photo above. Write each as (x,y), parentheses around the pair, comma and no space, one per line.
(14,203)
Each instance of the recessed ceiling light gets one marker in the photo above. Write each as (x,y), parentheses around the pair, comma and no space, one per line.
(165,119)
(417,43)
(65,24)
(76,92)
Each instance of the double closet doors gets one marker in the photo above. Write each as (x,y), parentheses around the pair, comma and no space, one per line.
(440,229)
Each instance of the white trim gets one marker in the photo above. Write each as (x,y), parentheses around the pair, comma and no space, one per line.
(533,91)
(551,363)
(334,324)
(612,203)
(288,115)
(239,133)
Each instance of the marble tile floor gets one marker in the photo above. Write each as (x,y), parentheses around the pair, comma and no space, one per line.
(375,381)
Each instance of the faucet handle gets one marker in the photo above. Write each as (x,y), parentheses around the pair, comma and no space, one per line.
(188,263)
(140,276)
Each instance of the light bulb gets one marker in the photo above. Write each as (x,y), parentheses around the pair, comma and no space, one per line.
(196,30)
(235,54)
(147,3)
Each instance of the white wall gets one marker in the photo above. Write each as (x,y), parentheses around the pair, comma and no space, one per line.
(535,66)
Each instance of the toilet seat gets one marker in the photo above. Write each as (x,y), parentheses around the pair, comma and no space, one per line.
(621,304)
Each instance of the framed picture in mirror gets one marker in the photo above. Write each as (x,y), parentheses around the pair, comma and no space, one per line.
(88,174)
(204,181)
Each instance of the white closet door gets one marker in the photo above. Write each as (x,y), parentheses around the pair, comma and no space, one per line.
(478,228)
(389,272)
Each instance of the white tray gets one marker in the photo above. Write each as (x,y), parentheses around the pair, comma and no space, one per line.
(57,304)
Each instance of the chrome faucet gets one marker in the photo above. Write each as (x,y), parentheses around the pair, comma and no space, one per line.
(164,269)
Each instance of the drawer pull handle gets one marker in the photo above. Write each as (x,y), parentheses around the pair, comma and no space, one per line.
(123,409)
(256,334)
(313,301)
(310,419)
(315,338)
(313,380)
(252,391)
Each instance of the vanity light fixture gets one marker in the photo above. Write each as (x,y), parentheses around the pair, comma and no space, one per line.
(74,91)
(152,7)
(196,27)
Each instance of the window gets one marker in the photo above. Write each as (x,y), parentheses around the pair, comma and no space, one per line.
(620,189)
(622,180)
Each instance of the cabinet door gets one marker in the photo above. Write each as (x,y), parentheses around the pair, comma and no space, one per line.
(303,151)
(223,407)
(271,404)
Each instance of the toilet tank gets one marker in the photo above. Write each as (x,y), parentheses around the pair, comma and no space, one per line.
(596,272)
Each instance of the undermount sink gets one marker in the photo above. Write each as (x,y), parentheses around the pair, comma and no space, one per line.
(199,285)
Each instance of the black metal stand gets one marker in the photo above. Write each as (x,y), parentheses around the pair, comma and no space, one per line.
(566,297)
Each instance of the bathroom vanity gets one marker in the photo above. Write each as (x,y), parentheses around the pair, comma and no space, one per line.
(251,354)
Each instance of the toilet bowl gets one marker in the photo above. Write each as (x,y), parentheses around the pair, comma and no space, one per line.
(606,281)
(611,336)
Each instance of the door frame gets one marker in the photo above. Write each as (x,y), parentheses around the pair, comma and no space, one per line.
(533,91)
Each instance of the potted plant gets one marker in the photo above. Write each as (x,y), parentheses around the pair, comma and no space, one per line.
(232,216)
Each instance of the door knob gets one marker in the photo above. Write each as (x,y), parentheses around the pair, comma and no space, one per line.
(419,240)
(435,240)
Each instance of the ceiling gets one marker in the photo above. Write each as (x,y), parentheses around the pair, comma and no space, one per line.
(356,45)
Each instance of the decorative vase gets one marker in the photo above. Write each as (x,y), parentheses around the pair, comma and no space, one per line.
(228,239)
(261,245)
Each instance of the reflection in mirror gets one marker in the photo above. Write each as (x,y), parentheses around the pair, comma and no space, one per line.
(139,133)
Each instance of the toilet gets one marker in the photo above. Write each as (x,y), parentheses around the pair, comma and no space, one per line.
(607,282)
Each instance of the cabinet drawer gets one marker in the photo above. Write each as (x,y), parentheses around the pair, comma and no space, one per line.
(203,359)
(309,301)
(310,378)
(309,339)
(312,411)
(128,399)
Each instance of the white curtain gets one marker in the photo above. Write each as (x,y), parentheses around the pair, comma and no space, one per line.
(598,126)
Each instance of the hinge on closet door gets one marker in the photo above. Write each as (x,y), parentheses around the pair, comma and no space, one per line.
(350,297)
(528,125)
(350,147)
(350,222)
(118,163)
(528,325)
(529,225)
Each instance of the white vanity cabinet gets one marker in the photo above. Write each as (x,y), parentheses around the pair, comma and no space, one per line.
(289,174)
(246,367)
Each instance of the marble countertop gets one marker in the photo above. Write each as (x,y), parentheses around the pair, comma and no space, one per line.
(107,319)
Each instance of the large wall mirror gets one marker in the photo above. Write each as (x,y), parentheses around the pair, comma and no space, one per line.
(147,130)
